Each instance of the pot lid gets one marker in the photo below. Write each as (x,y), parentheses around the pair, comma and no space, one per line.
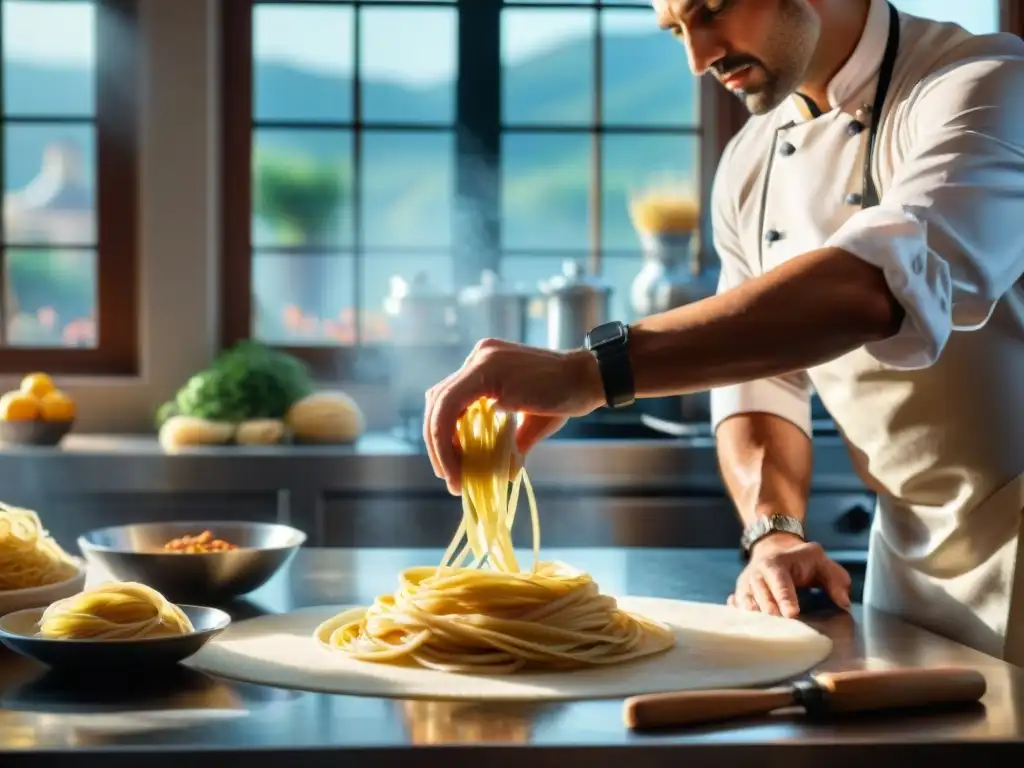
(419,287)
(491,287)
(574,279)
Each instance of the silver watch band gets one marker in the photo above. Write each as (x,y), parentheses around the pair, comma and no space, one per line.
(761,527)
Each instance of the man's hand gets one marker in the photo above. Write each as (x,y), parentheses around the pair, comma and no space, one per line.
(779,565)
(546,386)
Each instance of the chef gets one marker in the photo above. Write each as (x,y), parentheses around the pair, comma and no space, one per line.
(869,218)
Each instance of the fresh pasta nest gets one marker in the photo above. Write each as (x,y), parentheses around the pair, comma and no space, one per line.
(29,557)
(115,611)
(491,617)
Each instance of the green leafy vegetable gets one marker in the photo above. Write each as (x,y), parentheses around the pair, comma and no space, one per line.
(248,381)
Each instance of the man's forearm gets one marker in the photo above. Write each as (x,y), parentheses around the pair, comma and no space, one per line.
(808,311)
(766,463)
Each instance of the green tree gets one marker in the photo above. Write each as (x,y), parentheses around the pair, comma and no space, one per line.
(299,198)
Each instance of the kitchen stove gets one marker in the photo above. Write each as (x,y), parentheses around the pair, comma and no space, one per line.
(657,419)
(601,425)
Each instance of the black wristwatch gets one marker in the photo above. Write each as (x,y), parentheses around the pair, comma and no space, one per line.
(609,344)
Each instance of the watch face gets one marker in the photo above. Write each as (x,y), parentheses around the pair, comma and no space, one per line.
(607,333)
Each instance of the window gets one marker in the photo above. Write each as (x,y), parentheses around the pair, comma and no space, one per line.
(68,156)
(596,101)
(369,139)
(340,134)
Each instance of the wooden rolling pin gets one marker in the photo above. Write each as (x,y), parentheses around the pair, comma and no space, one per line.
(822,694)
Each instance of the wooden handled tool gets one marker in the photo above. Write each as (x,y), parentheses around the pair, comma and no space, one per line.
(822,694)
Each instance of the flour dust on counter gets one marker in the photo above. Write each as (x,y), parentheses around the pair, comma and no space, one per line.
(715,647)
(481,626)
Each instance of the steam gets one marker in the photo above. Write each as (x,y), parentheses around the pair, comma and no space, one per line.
(476,238)
(477,216)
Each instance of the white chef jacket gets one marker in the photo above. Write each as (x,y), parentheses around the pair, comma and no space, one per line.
(949,236)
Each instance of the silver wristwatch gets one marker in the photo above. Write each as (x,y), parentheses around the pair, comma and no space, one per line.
(761,527)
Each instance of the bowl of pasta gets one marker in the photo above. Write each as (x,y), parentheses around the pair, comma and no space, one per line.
(34,597)
(201,562)
(113,626)
(34,569)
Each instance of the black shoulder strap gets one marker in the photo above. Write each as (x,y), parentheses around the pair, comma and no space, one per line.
(885,73)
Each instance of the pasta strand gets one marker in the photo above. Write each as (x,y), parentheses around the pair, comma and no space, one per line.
(29,557)
(122,610)
(487,615)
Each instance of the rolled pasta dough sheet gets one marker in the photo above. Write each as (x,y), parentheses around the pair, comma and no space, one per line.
(716,647)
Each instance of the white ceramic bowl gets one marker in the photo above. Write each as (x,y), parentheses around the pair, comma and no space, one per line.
(12,600)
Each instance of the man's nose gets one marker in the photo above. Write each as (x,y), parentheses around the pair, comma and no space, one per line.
(703,49)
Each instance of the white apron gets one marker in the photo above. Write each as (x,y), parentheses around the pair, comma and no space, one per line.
(943,447)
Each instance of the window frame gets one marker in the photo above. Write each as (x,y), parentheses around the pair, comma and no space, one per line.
(479,34)
(477,136)
(116,199)
(1011,13)
(365,363)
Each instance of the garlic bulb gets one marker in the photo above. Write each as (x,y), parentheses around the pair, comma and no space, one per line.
(260,432)
(182,431)
(326,417)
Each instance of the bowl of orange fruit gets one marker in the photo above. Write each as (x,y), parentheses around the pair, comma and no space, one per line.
(37,413)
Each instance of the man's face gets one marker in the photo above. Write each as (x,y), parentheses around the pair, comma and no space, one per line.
(761,50)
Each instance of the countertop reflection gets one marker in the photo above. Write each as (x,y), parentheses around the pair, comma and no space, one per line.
(188,716)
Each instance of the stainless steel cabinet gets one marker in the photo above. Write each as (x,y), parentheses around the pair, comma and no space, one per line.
(579,520)
(381,493)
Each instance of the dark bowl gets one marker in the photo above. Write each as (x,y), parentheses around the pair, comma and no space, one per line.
(37,432)
(102,657)
(135,553)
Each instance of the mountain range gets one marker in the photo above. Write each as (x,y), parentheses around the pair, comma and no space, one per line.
(408,179)
(546,176)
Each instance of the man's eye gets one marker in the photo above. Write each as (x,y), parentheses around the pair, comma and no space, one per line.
(715,6)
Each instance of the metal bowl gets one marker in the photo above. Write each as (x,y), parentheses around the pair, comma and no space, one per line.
(135,553)
(35,432)
(100,657)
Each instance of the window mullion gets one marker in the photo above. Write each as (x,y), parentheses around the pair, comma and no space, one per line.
(596,149)
(477,209)
(5,292)
(356,212)
(1012,17)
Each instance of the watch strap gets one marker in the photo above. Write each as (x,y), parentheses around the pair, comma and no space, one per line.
(616,375)
(764,526)
(609,344)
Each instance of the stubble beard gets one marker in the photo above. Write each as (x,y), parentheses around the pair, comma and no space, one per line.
(793,43)
(764,99)
(776,88)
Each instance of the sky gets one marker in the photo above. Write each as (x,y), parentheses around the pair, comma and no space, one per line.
(408,44)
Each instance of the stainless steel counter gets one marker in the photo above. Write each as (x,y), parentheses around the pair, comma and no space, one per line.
(380,462)
(202,722)
(382,492)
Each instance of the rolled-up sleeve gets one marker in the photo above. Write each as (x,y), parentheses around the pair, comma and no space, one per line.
(948,233)
(786,396)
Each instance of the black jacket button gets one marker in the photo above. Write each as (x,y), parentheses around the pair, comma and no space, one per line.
(786,149)
(855,127)
(772,235)
(854,198)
